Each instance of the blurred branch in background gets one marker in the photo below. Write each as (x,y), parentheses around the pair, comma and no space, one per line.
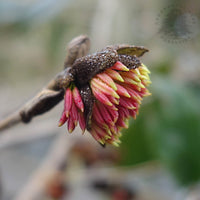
(102,22)
(52,169)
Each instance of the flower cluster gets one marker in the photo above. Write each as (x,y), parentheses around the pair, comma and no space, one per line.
(118,92)
(73,109)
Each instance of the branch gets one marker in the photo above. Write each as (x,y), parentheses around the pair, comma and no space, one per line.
(52,93)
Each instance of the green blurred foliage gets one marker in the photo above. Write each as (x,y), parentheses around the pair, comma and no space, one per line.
(168,130)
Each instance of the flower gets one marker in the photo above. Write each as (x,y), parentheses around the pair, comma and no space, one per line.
(117,92)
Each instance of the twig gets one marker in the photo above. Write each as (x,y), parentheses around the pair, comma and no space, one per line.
(52,94)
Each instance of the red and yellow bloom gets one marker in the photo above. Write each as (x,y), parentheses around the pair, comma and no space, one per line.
(118,91)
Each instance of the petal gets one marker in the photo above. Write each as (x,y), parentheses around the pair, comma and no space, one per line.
(130,75)
(119,66)
(146,82)
(133,87)
(122,123)
(130,81)
(125,102)
(144,68)
(101,132)
(144,77)
(63,119)
(136,71)
(107,79)
(124,111)
(98,117)
(101,97)
(113,100)
(134,103)
(144,92)
(81,121)
(134,95)
(113,113)
(115,130)
(77,99)
(133,113)
(74,113)
(114,140)
(68,101)
(105,113)
(96,136)
(122,91)
(114,75)
(97,83)
(70,125)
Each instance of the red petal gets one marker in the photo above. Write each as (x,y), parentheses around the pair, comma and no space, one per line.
(101,97)
(68,101)
(120,122)
(81,120)
(77,99)
(114,75)
(103,87)
(63,119)
(105,114)
(74,113)
(133,113)
(124,111)
(114,114)
(122,91)
(98,117)
(70,125)
(125,102)
(113,100)
(119,66)
(107,79)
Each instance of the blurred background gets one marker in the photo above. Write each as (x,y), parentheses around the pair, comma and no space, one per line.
(159,157)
